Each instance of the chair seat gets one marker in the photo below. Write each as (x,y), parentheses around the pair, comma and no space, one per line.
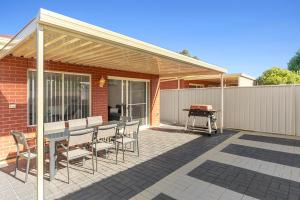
(104,145)
(26,155)
(76,153)
(126,140)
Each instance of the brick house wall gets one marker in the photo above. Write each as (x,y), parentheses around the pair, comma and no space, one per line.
(172,84)
(13,89)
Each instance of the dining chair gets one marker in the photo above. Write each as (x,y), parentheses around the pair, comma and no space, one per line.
(80,136)
(104,137)
(29,152)
(105,140)
(129,135)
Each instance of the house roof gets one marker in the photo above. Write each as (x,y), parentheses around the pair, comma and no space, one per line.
(72,41)
(240,75)
(6,36)
(4,39)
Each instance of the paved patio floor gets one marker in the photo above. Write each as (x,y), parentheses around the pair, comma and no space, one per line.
(177,165)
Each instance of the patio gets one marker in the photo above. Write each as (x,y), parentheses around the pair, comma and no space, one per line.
(177,165)
(161,153)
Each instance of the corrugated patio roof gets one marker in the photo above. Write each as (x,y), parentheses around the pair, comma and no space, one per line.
(226,76)
(72,41)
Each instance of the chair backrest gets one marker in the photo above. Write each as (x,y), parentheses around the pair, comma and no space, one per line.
(107,131)
(54,127)
(94,121)
(125,119)
(20,138)
(132,128)
(76,124)
(79,133)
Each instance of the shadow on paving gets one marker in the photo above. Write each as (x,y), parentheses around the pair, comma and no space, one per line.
(130,182)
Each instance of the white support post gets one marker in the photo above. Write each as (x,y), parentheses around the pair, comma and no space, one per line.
(40,110)
(178,92)
(222,103)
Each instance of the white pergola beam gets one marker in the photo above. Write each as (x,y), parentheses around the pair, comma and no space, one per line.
(40,110)
(222,103)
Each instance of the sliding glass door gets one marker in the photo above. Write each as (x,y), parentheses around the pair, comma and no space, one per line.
(129,98)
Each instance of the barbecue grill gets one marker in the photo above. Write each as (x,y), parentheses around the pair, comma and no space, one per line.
(201,110)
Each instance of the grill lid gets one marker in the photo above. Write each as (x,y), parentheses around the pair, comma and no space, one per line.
(201,107)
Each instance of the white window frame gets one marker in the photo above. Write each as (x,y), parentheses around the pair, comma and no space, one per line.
(62,73)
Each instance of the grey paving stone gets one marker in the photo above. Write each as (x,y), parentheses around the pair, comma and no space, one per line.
(255,184)
(163,196)
(278,157)
(269,139)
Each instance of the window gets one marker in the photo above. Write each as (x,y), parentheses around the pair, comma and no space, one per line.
(195,85)
(66,96)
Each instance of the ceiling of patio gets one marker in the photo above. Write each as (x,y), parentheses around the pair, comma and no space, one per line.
(64,43)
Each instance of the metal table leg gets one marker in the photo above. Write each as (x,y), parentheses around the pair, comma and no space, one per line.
(52,159)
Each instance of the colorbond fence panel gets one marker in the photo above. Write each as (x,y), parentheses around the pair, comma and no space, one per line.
(297,110)
(274,109)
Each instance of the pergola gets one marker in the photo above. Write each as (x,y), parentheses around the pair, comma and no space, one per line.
(54,37)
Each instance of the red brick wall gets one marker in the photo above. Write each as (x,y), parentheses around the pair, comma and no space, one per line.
(13,89)
(172,84)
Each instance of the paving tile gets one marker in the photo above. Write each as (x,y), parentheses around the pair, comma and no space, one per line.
(162,196)
(278,157)
(270,139)
(255,184)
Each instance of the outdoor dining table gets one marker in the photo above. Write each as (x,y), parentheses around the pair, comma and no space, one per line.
(53,138)
(62,135)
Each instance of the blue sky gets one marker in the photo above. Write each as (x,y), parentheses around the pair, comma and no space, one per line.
(243,36)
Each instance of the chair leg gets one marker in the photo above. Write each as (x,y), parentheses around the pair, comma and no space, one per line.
(83,161)
(93,162)
(117,150)
(17,165)
(123,151)
(137,147)
(27,169)
(107,152)
(68,170)
(96,159)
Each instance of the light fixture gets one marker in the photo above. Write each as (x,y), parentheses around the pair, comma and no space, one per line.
(102,82)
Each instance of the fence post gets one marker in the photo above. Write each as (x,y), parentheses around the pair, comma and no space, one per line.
(178,88)
(178,122)
(294,106)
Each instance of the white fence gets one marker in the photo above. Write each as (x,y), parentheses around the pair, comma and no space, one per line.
(274,109)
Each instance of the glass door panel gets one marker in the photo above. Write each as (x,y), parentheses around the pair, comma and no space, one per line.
(137,100)
(115,99)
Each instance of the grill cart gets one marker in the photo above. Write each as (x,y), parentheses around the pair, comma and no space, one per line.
(200,110)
